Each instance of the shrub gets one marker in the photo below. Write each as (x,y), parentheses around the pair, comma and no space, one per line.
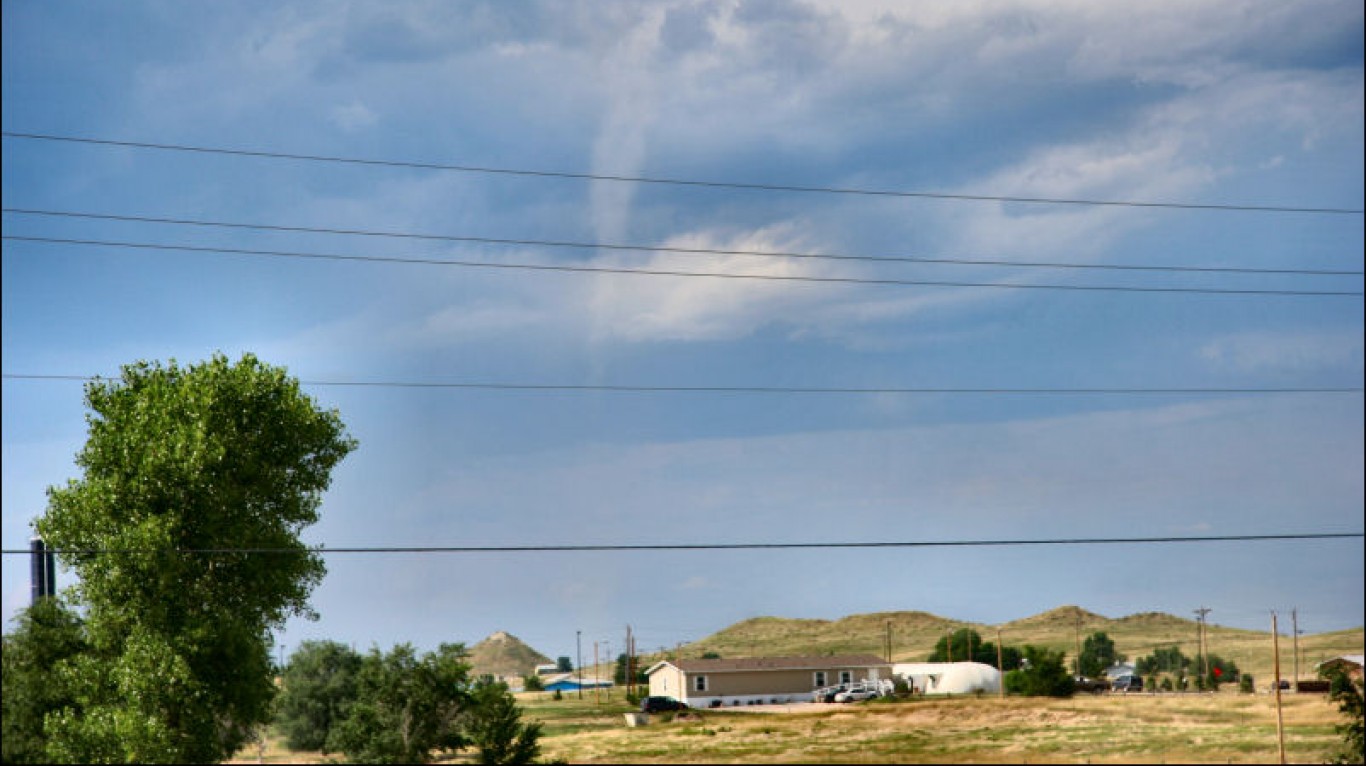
(1245,684)
(1043,675)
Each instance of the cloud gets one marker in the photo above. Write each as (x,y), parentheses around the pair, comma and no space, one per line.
(354,116)
(1286,352)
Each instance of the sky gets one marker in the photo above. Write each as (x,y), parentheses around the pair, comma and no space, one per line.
(1209,114)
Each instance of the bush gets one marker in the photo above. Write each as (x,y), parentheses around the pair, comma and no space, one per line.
(1245,684)
(1348,695)
(1043,675)
(495,727)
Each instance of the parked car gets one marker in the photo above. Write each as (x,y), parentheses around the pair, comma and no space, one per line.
(827,693)
(1128,684)
(1093,685)
(856,693)
(661,704)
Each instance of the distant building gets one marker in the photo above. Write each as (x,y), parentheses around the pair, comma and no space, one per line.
(567,682)
(1119,670)
(700,683)
(1348,663)
(547,670)
(949,677)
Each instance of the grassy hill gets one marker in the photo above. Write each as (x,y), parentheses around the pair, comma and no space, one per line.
(505,655)
(914,635)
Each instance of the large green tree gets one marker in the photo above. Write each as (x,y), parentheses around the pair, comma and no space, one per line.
(407,707)
(318,684)
(186,471)
(1097,654)
(48,633)
(965,644)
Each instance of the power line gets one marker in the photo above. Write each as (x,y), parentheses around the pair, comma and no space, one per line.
(671,181)
(670,273)
(704,546)
(669,249)
(566,387)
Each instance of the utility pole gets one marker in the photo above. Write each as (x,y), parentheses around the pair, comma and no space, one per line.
(1200,644)
(1077,625)
(1276,683)
(1000,665)
(578,666)
(629,677)
(1295,626)
(597,689)
(612,660)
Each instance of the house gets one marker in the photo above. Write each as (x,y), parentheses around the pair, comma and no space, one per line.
(1119,670)
(750,680)
(1347,663)
(547,670)
(568,682)
(949,677)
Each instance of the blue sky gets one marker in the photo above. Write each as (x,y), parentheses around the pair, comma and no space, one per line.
(1210,103)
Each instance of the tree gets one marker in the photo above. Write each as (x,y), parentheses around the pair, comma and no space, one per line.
(1042,674)
(1097,654)
(533,683)
(1220,670)
(48,633)
(1348,693)
(319,683)
(1164,660)
(956,645)
(564,665)
(495,727)
(406,706)
(619,673)
(182,469)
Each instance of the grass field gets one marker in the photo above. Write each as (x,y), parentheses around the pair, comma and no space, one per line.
(1171,728)
(1211,728)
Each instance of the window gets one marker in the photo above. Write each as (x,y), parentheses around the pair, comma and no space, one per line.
(846,676)
(699,684)
(819,680)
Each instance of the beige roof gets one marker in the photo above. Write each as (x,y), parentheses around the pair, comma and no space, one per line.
(827,662)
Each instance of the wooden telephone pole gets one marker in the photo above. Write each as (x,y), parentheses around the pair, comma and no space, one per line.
(1276,683)
(1000,665)
(1295,626)
(1077,626)
(1200,644)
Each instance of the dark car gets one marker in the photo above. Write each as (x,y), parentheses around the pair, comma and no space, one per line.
(827,694)
(660,704)
(1128,684)
(1093,685)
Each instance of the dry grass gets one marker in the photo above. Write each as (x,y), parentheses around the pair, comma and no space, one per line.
(1171,728)
(1104,729)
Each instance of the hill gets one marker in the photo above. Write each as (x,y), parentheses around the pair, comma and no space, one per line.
(915,633)
(503,655)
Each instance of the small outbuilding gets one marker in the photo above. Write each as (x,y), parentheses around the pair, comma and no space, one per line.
(568,682)
(754,680)
(1119,670)
(1346,663)
(949,677)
